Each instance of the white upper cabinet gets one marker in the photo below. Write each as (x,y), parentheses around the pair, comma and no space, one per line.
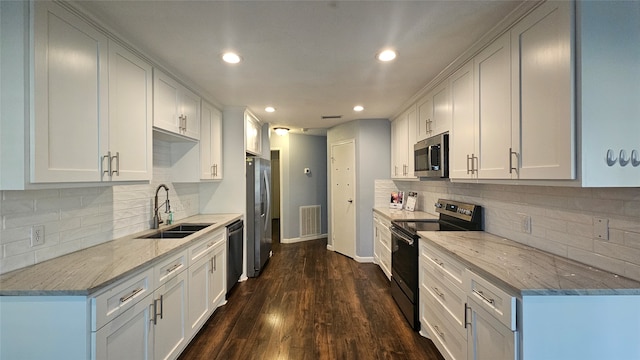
(543,133)
(176,108)
(462,140)
(492,73)
(130,116)
(71,93)
(403,138)
(210,143)
(253,135)
(434,112)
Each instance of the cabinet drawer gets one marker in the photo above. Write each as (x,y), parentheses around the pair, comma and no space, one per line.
(451,342)
(208,242)
(443,263)
(385,238)
(170,267)
(447,294)
(121,297)
(496,301)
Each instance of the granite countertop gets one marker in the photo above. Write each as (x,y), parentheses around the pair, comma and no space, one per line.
(525,270)
(87,271)
(393,214)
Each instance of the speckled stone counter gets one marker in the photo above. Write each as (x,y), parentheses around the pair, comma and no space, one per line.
(526,270)
(87,271)
(393,214)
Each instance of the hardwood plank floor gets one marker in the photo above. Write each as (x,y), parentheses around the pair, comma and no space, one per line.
(310,303)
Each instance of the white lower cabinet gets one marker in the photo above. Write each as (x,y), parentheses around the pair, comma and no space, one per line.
(466,316)
(207,276)
(488,338)
(170,318)
(382,243)
(128,336)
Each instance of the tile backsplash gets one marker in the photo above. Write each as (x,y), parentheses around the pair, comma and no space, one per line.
(77,218)
(564,220)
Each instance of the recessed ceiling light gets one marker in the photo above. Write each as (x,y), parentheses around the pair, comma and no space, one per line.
(231,58)
(386,55)
(358,108)
(270,109)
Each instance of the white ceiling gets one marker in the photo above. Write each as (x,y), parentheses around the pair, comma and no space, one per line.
(306,58)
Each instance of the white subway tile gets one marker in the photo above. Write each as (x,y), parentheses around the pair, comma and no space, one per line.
(16,262)
(616,251)
(67,203)
(597,260)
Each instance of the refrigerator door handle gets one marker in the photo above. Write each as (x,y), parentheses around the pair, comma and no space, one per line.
(268,193)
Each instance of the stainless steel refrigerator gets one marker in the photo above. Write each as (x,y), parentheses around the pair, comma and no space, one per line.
(258,215)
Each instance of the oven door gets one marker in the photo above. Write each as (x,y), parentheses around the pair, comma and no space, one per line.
(421,159)
(404,262)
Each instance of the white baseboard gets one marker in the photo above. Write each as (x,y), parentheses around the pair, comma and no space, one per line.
(306,238)
(330,247)
(360,259)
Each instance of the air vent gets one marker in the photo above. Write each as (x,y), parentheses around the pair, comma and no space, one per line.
(326,117)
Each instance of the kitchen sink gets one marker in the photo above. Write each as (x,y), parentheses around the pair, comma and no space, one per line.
(176,232)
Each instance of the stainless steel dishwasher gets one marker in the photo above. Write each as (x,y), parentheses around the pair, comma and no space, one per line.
(234,253)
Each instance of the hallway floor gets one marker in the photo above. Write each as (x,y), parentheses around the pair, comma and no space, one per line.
(310,303)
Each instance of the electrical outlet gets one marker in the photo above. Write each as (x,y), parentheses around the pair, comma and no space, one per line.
(601,228)
(525,223)
(37,235)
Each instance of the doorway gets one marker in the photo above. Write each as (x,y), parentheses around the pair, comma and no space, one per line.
(275,198)
(343,205)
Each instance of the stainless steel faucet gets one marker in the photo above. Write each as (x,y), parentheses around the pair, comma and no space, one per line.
(157,220)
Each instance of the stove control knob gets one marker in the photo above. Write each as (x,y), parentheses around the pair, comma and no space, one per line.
(467,212)
(438,205)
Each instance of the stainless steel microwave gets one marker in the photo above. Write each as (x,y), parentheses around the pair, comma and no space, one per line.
(431,157)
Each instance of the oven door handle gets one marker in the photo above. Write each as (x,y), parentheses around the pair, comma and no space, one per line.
(401,236)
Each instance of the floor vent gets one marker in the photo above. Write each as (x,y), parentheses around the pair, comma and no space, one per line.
(309,220)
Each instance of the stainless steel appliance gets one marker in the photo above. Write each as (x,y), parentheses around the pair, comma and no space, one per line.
(454,216)
(258,214)
(234,253)
(431,157)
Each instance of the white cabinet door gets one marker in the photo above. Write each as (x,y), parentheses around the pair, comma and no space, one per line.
(253,135)
(488,338)
(424,117)
(492,72)
(376,237)
(130,116)
(71,90)
(176,109)
(190,109)
(200,292)
(403,138)
(210,143)
(129,335)
(462,141)
(171,317)
(543,117)
(218,284)
(441,110)
(166,114)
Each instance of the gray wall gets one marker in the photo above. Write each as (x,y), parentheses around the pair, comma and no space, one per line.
(298,189)
(373,161)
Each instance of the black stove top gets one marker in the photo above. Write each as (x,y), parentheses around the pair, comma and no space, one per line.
(454,216)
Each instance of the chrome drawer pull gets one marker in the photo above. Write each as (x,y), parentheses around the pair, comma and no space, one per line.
(435,260)
(438,292)
(440,333)
(131,295)
(484,297)
(174,267)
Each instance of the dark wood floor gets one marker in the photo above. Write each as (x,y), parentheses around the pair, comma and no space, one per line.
(310,303)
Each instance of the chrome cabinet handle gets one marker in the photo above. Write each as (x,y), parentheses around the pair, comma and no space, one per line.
(108,157)
(215,169)
(511,168)
(437,261)
(440,333)
(474,164)
(466,322)
(215,262)
(484,297)
(130,295)
(174,267)
(469,169)
(438,292)
(155,309)
(117,169)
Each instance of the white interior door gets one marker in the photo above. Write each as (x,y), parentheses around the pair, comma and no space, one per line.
(343,218)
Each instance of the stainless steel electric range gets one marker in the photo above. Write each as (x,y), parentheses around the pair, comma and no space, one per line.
(454,216)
